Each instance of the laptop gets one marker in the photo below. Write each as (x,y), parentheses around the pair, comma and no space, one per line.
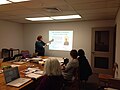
(1,60)
(12,77)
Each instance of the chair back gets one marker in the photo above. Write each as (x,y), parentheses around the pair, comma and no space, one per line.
(17,57)
(66,60)
(25,53)
(5,53)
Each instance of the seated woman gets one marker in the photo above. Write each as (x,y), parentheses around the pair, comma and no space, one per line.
(52,78)
(68,70)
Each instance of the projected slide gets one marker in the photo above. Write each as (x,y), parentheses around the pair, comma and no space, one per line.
(62,40)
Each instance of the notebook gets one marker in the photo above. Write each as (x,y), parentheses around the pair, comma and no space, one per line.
(12,77)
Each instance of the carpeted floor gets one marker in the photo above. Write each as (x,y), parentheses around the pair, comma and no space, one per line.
(91,84)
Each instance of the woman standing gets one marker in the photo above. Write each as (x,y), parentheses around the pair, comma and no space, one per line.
(40,46)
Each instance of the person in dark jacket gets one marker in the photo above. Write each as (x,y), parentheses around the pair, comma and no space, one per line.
(52,78)
(40,46)
(84,67)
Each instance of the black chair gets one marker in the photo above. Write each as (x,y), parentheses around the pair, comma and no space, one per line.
(66,60)
(5,54)
(17,57)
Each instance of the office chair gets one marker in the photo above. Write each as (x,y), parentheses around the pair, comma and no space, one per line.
(25,53)
(5,54)
(104,78)
(66,60)
(17,57)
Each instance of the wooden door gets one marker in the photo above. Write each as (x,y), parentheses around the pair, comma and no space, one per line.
(102,54)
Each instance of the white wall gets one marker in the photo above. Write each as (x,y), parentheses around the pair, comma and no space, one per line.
(81,35)
(11,35)
(117,57)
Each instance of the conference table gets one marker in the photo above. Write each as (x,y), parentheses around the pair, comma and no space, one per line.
(21,68)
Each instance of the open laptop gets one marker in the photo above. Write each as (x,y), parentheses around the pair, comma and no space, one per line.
(1,60)
(12,77)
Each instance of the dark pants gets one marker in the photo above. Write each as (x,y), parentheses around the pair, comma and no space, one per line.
(42,53)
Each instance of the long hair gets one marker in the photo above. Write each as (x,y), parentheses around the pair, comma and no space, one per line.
(81,52)
(52,67)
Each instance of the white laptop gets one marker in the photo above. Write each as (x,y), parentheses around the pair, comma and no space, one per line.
(12,77)
(1,60)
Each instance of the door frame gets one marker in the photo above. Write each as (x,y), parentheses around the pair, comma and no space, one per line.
(109,54)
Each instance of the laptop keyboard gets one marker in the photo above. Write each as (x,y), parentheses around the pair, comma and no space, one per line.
(18,82)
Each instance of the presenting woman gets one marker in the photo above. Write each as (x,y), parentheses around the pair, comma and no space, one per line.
(39,46)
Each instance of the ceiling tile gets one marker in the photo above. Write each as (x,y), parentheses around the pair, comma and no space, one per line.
(95,5)
(10,7)
(89,9)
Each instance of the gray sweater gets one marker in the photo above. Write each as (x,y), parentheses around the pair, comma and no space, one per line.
(68,73)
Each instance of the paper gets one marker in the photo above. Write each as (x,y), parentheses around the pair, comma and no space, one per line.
(33,75)
(1,71)
(41,62)
(19,62)
(58,58)
(14,65)
(31,70)
(39,72)
(44,59)
(36,59)
(110,89)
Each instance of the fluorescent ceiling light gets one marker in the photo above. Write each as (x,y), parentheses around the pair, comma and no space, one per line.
(10,1)
(4,2)
(54,18)
(66,17)
(18,0)
(39,18)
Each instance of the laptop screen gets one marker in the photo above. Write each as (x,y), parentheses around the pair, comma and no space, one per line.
(11,74)
(1,60)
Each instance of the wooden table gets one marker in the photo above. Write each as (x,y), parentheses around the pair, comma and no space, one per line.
(22,67)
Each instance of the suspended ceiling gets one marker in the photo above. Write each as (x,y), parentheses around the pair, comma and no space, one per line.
(88,9)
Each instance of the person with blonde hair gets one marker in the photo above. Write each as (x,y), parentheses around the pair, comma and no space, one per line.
(52,78)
